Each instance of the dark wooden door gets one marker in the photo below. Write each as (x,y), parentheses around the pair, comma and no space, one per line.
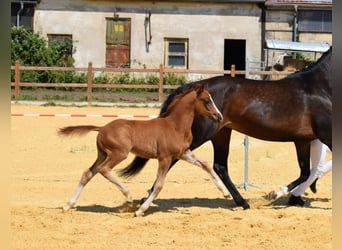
(118,36)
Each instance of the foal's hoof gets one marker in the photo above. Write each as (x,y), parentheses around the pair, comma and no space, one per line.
(295,201)
(313,186)
(142,200)
(66,207)
(138,213)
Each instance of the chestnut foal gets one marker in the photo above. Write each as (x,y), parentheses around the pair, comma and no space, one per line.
(165,138)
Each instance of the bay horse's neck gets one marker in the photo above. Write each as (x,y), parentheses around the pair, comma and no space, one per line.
(322,72)
(317,75)
(323,65)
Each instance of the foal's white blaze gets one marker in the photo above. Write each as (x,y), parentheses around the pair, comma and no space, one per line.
(217,110)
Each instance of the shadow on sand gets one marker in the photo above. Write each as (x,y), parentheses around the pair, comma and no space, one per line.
(162,205)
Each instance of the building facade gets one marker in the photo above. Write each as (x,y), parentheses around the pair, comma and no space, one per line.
(191,34)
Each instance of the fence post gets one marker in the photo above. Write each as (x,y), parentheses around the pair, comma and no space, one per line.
(232,70)
(90,82)
(17,80)
(161,83)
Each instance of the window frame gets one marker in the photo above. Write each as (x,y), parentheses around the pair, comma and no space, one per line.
(184,54)
(307,20)
(53,37)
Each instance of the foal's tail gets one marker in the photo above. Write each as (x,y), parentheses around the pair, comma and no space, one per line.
(77,130)
(134,168)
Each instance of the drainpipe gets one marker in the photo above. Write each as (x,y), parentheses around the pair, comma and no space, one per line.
(19,12)
(263,30)
(294,38)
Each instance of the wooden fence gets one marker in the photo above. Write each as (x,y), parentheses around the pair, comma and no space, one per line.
(90,72)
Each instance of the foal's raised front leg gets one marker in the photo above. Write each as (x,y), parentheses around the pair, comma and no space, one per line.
(106,172)
(191,158)
(158,185)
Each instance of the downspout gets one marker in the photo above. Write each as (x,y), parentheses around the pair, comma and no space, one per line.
(263,29)
(294,38)
(19,12)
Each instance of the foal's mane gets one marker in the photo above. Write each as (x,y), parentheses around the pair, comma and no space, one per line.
(174,96)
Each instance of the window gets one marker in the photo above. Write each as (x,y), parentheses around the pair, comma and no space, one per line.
(63,40)
(176,53)
(315,21)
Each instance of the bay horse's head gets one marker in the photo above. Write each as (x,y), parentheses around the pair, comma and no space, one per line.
(205,105)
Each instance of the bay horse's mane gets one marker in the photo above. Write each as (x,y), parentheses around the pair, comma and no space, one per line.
(323,61)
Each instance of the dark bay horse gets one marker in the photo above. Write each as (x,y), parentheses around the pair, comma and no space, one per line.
(165,138)
(297,108)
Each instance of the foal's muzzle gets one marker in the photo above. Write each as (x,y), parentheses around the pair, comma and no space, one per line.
(218,117)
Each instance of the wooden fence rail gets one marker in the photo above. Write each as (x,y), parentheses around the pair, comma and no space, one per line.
(90,73)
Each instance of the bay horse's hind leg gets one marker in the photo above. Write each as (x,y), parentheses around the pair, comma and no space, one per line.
(323,128)
(191,158)
(303,157)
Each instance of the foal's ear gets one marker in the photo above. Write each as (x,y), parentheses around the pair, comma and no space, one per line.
(201,87)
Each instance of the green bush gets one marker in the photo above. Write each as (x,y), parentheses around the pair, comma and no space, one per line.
(32,50)
(174,79)
(127,79)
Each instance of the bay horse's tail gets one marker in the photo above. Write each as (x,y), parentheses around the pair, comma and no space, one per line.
(134,167)
(77,130)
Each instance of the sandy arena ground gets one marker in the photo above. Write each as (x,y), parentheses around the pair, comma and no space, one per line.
(190,212)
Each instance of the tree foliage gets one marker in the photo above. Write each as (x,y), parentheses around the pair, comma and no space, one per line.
(33,50)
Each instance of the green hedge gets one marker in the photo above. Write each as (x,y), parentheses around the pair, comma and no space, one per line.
(32,50)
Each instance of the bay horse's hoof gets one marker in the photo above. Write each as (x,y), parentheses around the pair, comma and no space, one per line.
(245,205)
(295,200)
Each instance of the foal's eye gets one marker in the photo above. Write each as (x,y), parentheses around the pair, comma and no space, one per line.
(206,101)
